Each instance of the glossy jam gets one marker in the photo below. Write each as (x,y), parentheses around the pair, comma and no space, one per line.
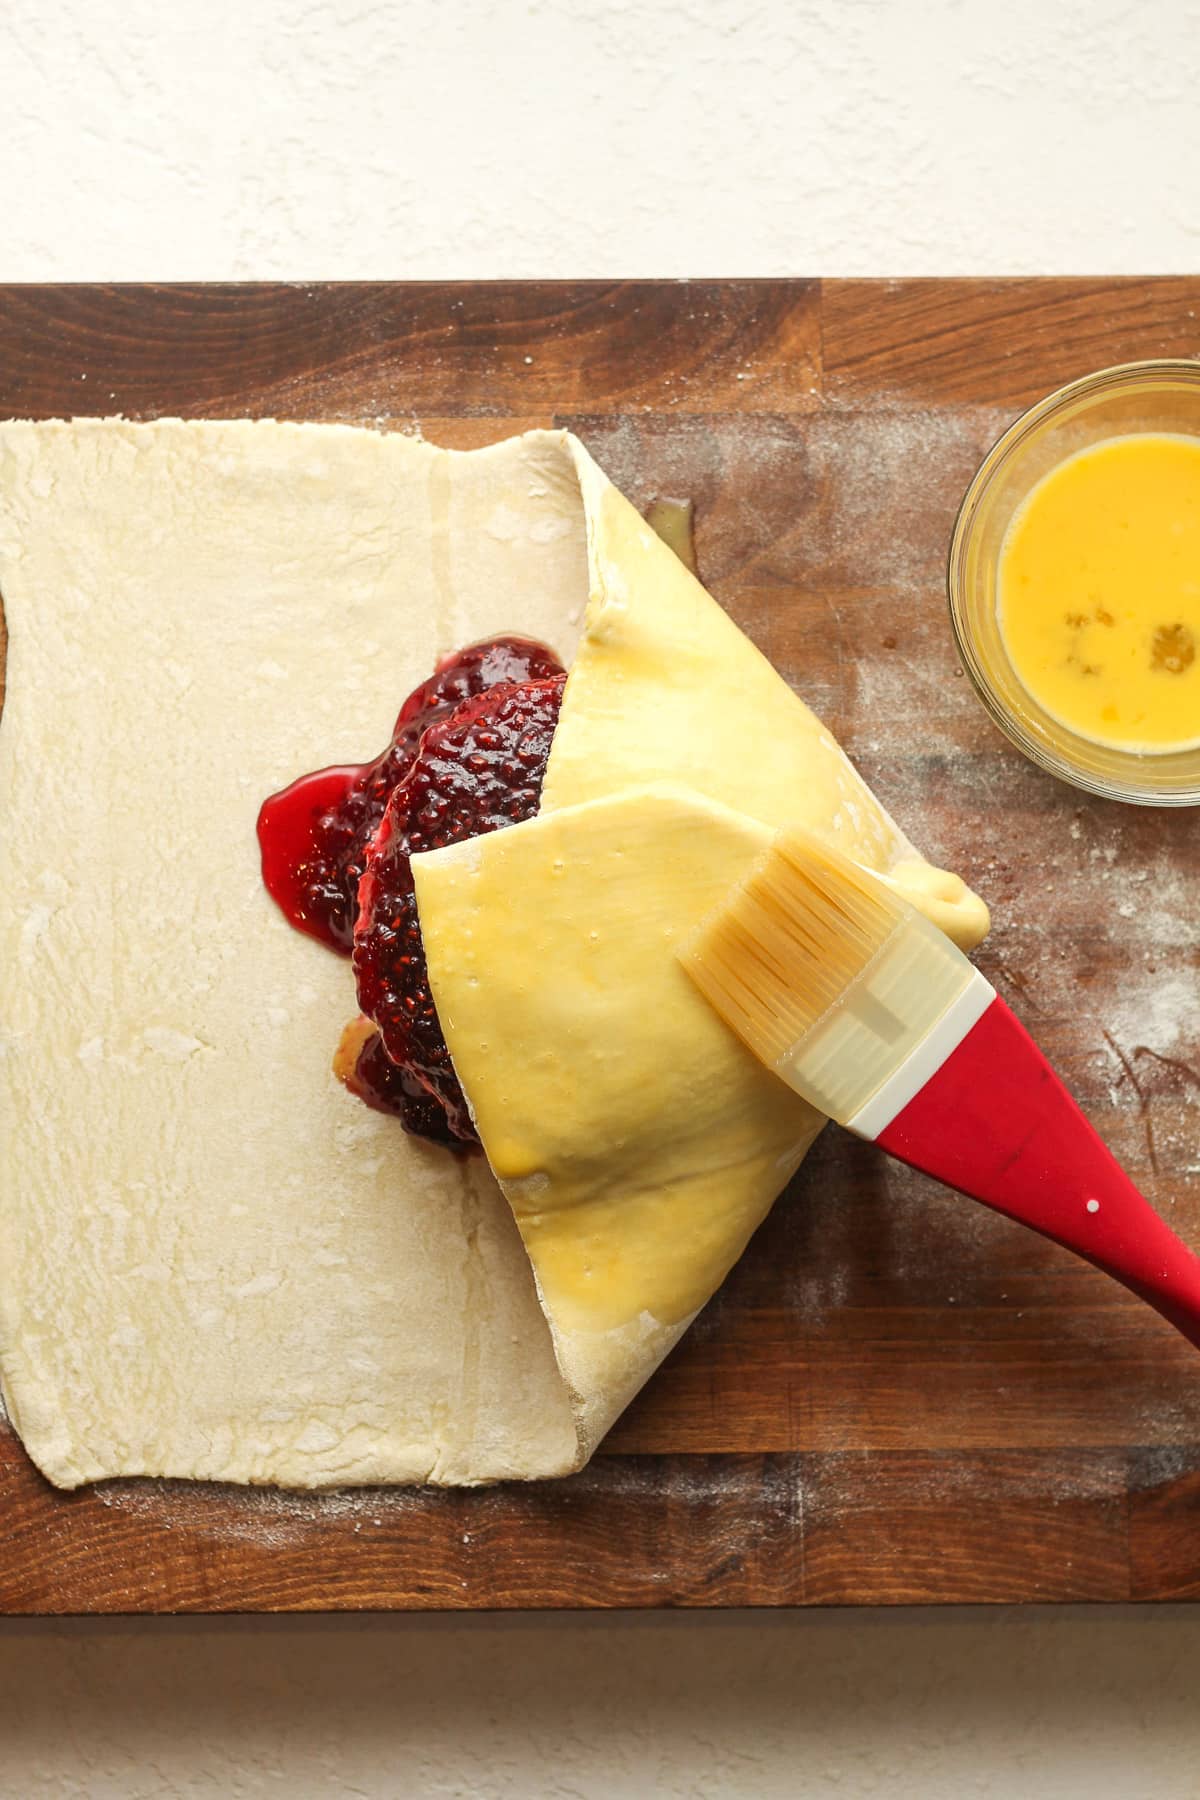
(364,1067)
(315,836)
(476,771)
(1099,592)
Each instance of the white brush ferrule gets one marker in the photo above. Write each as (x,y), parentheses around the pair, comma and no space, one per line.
(924,1060)
(892,1025)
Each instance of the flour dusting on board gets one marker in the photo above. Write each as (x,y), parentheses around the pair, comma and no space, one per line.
(847,1483)
(269,1517)
(277,1518)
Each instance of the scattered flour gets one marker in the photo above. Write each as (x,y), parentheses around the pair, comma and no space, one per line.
(273,1518)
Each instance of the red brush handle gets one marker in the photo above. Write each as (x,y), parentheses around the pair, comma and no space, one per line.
(996,1123)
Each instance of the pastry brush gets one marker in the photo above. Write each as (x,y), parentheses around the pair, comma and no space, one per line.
(867,1010)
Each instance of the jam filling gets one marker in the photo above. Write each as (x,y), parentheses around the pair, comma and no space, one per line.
(475,772)
(363,1066)
(467,756)
(314,835)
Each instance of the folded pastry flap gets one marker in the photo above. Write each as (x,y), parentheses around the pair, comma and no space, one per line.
(638,1143)
(664,686)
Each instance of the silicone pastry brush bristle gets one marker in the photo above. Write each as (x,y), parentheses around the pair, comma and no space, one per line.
(829,977)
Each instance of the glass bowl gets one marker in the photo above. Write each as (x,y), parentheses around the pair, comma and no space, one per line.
(1159,396)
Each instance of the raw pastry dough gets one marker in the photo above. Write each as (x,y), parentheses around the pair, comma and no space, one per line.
(213,1261)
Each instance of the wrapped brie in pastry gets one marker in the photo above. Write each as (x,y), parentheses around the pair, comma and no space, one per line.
(214,1260)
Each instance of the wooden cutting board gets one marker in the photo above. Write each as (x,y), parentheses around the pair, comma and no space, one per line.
(896,1396)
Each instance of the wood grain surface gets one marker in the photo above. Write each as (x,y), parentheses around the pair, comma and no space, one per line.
(897,1396)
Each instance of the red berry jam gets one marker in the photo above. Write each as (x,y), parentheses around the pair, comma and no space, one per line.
(467,755)
(475,772)
(313,836)
(364,1067)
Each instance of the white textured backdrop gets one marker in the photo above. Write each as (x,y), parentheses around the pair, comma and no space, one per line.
(921,1706)
(225,138)
(209,138)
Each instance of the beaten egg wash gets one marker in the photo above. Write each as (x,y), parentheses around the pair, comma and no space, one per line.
(1099,592)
